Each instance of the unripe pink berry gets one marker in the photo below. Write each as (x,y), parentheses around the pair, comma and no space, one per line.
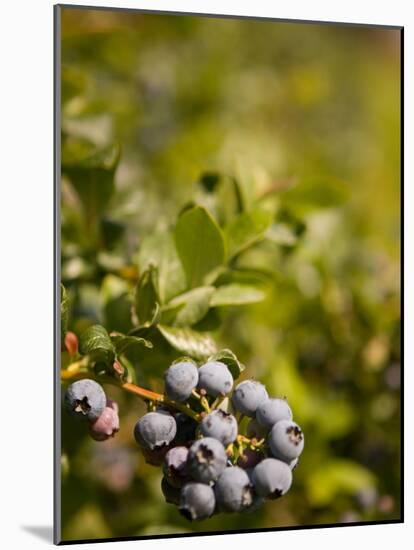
(71,343)
(107,424)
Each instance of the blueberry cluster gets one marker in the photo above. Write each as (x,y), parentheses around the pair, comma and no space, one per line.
(86,400)
(214,460)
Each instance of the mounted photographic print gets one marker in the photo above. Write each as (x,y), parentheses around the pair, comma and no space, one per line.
(228,274)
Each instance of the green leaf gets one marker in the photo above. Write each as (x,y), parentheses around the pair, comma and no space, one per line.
(192,305)
(130,374)
(91,172)
(146,295)
(245,276)
(200,244)
(189,342)
(169,312)
(64,311)
(143,328)
(314,194)
(159,249)
(122,342)
(117,303)
(227,357)
(247,229)
(335,478)
(95,342)
(236,294)
(149,362)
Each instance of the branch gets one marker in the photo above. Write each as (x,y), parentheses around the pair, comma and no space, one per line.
(74,371)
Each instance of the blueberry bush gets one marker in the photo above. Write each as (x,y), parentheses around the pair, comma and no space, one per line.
(196,428)
(230,275)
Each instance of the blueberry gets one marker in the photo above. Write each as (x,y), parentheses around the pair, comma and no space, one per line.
(271,411)
(255,430)
(248,395)
(180,380)
(220,425)
(206,459)
(107,424)
(286,440)
(175,466)
(171,494)
(155,429)
(215,378)
(197,501)
(272,478)
(85,399)
(233,490)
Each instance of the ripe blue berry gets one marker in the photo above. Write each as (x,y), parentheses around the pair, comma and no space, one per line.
(155,429)
(85,399)
(107,424)
(286,440)
(220,425)
(197,501)
(271,411)
(180,380)
(206,459)
(171,494)
(215,378)
(233,490)
(175,466)
(272,478)
(248,395)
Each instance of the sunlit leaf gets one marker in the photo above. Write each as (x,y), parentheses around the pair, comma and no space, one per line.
(189,342)
(192,305)
(235,294)
(200,244)
(158,249)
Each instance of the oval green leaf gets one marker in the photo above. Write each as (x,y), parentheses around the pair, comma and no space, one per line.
(200,244)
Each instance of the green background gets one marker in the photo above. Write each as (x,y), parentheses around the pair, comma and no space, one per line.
(275,105)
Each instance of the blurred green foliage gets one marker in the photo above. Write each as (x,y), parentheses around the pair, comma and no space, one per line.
(287,137)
